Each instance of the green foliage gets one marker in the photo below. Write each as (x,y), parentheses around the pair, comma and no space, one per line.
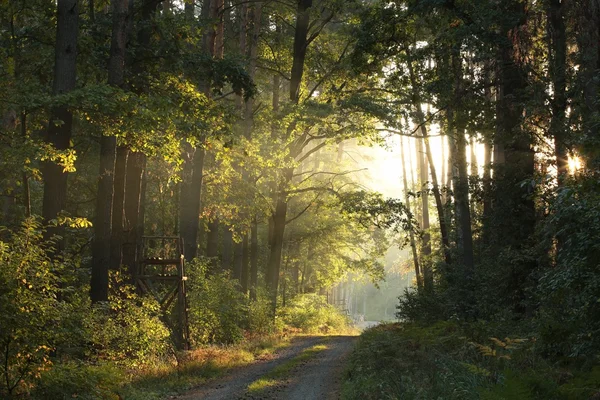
(132,333)
(79,380)
(442,361)
(310,313)
(217,307)
(30,312)
(570,312)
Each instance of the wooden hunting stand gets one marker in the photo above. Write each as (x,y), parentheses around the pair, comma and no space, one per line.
(161,274)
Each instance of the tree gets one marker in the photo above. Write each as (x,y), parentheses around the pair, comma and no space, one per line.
(60,127)
(101,248)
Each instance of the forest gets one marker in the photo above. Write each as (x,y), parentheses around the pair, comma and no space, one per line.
(188,187)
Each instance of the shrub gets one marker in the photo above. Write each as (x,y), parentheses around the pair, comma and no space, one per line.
(311,314)
(29,307)
(217,308)
(126,330)
(78,380)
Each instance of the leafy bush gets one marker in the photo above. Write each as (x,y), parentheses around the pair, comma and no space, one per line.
(29,307)
(127,330)
(217,308)
(82,381)
(568,293)
(260,316)
(311,314)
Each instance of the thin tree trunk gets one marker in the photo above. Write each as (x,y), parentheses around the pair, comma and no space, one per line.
(238,260)
(60,126)
(426,236)
(253,258)
(108,149)
(118,212)
(413,244)
(227,257)
(133,201)
(279,217)
(26,189)
(429,155)
(557,46)
(245,276)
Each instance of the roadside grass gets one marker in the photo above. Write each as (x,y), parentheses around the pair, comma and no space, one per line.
(197,367)
(459,362)
(278,374)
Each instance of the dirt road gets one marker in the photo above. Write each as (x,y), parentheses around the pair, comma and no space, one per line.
(318,377)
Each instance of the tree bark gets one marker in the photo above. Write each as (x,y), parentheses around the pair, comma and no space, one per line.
(133,200)
(253,258)
(557,49)
(279,217)
(426,236)
(413,244)
(108,148)
(60,126)
(245,275)
(227,257)
(436,189)
(118,212)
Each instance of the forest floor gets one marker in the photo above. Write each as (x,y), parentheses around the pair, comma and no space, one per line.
(309,368)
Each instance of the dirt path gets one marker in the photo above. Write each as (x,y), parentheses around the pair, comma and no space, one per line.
(317,378)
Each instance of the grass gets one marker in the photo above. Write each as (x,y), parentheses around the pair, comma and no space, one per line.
(443,361)
(198,367)
(278,374)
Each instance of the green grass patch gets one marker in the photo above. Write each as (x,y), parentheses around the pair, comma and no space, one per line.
(163,378)
(442,361)
(278,374)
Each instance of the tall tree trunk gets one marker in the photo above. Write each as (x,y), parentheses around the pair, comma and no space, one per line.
(118,213)
(133,200)
(515,217)
(588,41)
(436,189)
(253,258)
(426,236)
(245,275)
(238,261)
(194,155)
(26,189)
(557,46)
(108,149)
(60,126)
(279,217)
(227,257)
(487,162)
(189,200)
(413,244)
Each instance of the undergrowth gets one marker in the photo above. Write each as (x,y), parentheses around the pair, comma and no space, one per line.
(451,361)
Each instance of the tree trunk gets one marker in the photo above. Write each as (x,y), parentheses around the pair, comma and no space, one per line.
(426,237)
(60,126)
(227,257)
(413,244)
(108,148)
(118,212)
(557,49)
(461,184)
(253,258)
(279,217)
(189,200)
(588,41)
(436,189)
(238,260)
(245,276)
(133,200)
